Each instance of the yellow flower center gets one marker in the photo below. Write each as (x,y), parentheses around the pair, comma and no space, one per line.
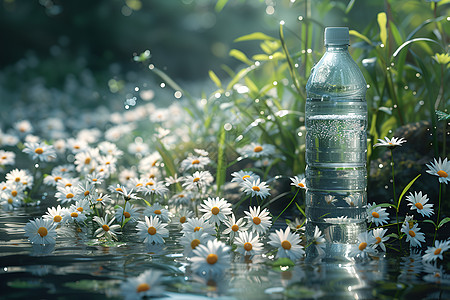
(151,230)
(301,184)
(80,209)
(196,179)
(57,178)
(143,287)
(105,227)
(419,205)
(437,251)
(286,245)
(42,231)
(126,214)
(195,162)
(195,243)
(39,151)
(69,195)
(10,200)
(157,212)
(99,199)
(215,210)
(181,196)
(68,184)
(87,161)
(4,157)
(412,233)
(197,228)
(17,179)
(14,193)
(139,184)
(119,189)
(298,226)
(94,179)
(378,240)
(375,214)
(248,247)
(86,193)
(235,228)
(245,177)
(182,219)
(149,183)
(256,188)
(74,215)
(442,173)
(212,258)
(411,224)
(57,219)
(258,149)
(362,246)
(256,220)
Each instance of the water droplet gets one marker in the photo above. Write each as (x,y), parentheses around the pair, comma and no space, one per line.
(136,89)
(380,166)
(296,65)
(261,113)
(270,10)
(392,64)
(417,75)
(151,66)
(386,187)
(395,105)
(309,50)
(382,45)
(414,93)
(274,83)
(281,22)
(256,100)
(406,87)
(257,63)
(217,95)
(368,86)
(227,126)
(300,18)
(300,133)
(162,85)
(36,166)
(203,102)
(387,69)
(227,94)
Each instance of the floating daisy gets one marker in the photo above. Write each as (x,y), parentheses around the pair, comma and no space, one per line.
(440,168)
(148,284)
(378,234)
(55,214)
(248,243)
(287,243)
(363,248)
(258,221)
(197,224)
(128,212)
(390,143)
(211,259)
(106,229)
(413,236)
(377,215)
(73,215)
(255,188)
(433,253)
(233,227)
(215,210)
(191,240)
(330,199)
(159,211)
(152,230)
(419,203)
(40,151)
(298,181)
(40,231)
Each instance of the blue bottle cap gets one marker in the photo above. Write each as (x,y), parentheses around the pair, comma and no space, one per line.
(337,36)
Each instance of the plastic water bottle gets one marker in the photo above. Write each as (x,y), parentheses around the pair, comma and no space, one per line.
(336,147)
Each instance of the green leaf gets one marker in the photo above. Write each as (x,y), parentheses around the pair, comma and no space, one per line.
(413,41)
(349,6)
(167,79)
(300,209)
(214,78)
(389,124)
(260,57)
(242,73)
(382,22)
(221,163)
(443,221)
(239,55)
(359,35)
(383,205)
(220,5)
(143,56)
(169,164)
(394,235)
(406,189)
(255,36)
(283,262)
(429,221)
(442,115)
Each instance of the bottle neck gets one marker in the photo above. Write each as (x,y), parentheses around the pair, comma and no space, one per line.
(336,48)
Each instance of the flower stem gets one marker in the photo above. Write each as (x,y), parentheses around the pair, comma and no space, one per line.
(292,200)
(393,189)
(436,226)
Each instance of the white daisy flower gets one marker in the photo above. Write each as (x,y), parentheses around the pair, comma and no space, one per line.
(122,190)
(152,231)
(67,182)
(318,241)
(157,210)
(248,243)
(83,206)
(173,179)
(378,234)
(258,221)
(330,199)
(441,169)
(413,236)
(195,162)
(107,165)
(138,147)
(83,191)
(377,215)
(146,285)
(76,146)
(73,215)
(23,127)
(197,224)
(288,244)
(390,143)
(215,210)
(353,200)
(157,188)
(20,176)
(298,181)
(212,258)
(433,253)
(297,225)
(255,188)
(191,240)
(40,151)
(182,216)
(126,175)
(183,198)
(7,158)
(198,181)
(233,227)
(130,212)
(242,176)
(40,231)
(363,249)
(201,152)
(419,203)
(101,198)
(95,178)
(108,148)
(106,229)
(255,150)
(55,214)
(86,160)
(65,194)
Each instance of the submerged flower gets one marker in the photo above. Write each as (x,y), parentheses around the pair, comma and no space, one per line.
(378,234)
(433,253)
(258,221)
(413,236)
(318,241)
(330,199)
(441,169)
(106,229)
(419,203)
(248,243)
(152,230)
(288,244)
(40,231)
(390,143)
(212,258)
(255,188)
(215,210)
(299,181)
(364,247)
(148,284)
(377,215)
